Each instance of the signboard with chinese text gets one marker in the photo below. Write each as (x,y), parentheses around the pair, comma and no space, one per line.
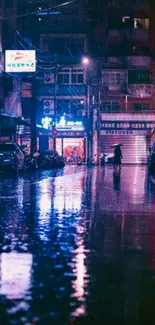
(65,125)
(131,125)
(20,61)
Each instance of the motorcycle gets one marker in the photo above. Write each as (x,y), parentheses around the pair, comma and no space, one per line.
(90,162)
(30,162)
(102,162)
(50,160)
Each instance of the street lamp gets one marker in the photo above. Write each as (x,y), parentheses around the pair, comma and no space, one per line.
(95,114)
(85,61)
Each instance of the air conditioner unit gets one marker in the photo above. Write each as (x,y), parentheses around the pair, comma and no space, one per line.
(48,78)
(48,106)
(94,82)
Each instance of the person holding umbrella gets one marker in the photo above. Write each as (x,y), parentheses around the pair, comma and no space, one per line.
(117,155)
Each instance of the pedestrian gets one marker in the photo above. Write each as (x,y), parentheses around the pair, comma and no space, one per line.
(117,157)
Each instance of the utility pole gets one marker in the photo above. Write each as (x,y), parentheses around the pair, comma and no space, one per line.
(98,113)
(55,102)
(96,120)
(33,117)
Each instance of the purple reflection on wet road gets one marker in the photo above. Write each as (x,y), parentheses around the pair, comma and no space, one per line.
(77,247)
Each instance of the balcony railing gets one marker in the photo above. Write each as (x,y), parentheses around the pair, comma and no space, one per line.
(140,34)
(127,110)
(117,36)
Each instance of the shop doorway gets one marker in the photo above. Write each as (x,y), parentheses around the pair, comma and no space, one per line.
(72,149)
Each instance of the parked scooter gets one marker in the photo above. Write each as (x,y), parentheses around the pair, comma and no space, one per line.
(102,161)
(30,162)
(90,161)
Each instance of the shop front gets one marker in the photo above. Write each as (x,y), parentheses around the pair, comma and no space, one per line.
(70,139)
(134,136)
(71,145)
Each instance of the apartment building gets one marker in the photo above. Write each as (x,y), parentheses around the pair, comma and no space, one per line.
(123,43)
(11,83)
(60,37)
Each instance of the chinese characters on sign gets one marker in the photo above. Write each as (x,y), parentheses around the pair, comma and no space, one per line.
(133,125)
(69,125)
(20,61)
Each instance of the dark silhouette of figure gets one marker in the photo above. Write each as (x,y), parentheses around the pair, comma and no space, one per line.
(116,180)
(117,157)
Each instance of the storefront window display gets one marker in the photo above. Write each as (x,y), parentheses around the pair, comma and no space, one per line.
(73,149)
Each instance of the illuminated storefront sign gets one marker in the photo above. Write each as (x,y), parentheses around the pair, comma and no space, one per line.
(65,125)
(20,61)
(46,122)
(62,125)
(131,125)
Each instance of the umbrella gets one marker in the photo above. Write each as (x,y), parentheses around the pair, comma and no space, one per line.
(116,145)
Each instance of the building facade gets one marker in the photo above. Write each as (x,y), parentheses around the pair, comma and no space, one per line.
(123,42)
(61,41)
(111,99)
(11,83)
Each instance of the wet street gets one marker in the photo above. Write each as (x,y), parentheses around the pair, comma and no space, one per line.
(77,247)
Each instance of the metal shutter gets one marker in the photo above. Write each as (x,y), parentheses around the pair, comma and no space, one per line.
(135,148)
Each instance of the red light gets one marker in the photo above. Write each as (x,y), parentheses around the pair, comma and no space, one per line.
(54,132)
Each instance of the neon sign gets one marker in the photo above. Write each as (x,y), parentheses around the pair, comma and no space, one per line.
(65,125)
(46,122)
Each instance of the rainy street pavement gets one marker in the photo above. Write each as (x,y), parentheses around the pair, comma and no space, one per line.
(77,247)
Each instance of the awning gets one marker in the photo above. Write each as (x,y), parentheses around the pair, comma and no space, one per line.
(9,123)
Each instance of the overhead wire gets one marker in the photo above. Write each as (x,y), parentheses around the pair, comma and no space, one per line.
(72,89)
(40,11)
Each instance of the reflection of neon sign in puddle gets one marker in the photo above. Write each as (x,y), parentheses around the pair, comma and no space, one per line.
(15,274)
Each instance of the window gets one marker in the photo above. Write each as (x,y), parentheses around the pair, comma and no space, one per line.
(70,106)
(127,22)
(64,45)
(141,49)
(63,78)
(139,77)
(141,107)
(77,78)
(114,78)
(71,76)
(126,18)
(110,106)
(141,23)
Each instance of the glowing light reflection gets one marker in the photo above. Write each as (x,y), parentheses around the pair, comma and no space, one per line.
(81,272)
(15,274)
(20,188)
(45,208)
(139,186)
(68,195)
